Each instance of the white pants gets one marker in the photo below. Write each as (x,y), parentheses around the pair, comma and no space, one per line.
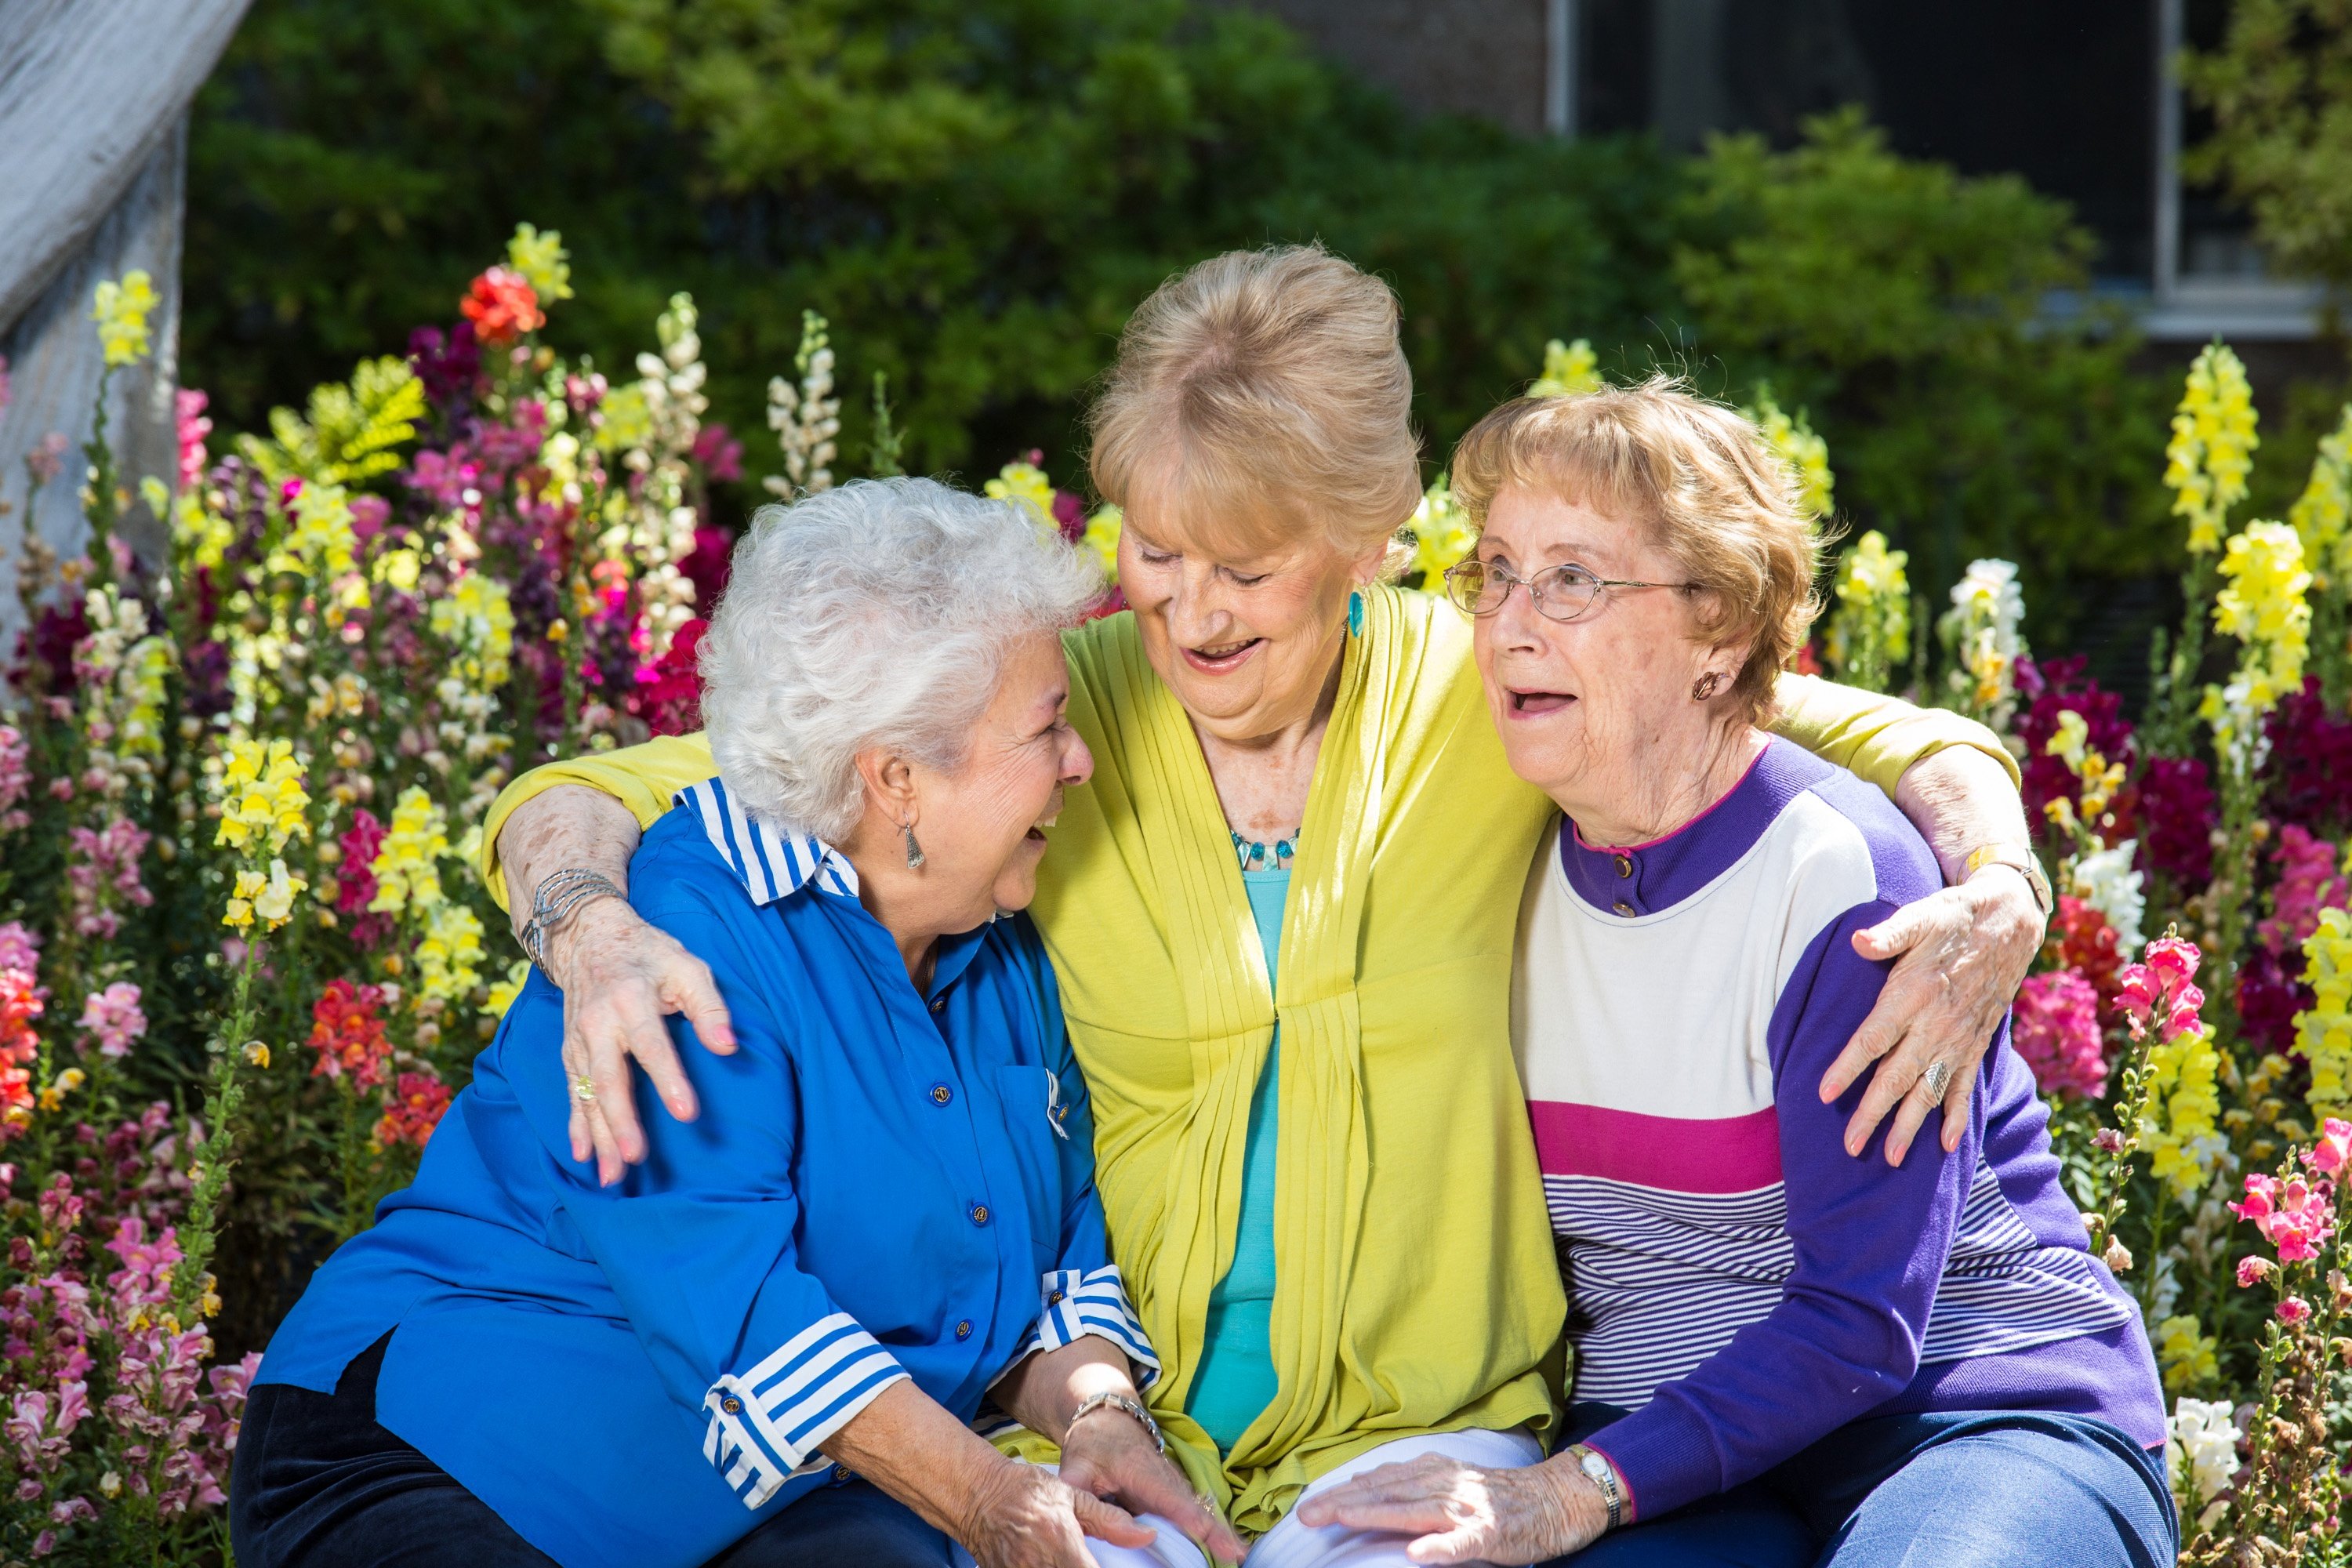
(1291,1544)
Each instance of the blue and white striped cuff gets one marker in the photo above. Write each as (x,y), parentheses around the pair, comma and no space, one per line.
(1074,1304)
(766,1423)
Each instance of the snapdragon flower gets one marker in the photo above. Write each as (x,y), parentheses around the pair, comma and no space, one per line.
(262,798)
(2322,516)
(1442,535)
(1870,631)
(2323,1032)
(2055,1029)
(406,868)
(806,419)
(268,898)
(2212,445)
(2263,604)
(2188,1355)
(1570,370)
(2201,1449)
(1981,629)
(2109,882)
(120,311)
(541,260)
(1805,453)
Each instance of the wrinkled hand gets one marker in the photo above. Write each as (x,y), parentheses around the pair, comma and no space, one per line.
(1465,1513)
(1960,954)
(1110,1455)
(619,977)
(1024,1516)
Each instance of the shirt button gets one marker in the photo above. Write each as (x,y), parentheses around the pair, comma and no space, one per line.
(963,1330)
(942,1094)
(1624,865)
(840,1475)
(1623,907)
(732,1405)
(980,1214)
(1054,1299)
(938,1004)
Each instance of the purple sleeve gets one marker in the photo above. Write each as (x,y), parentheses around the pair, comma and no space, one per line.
(1870,1242)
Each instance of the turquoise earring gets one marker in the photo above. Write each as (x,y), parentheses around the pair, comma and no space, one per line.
(1355,615)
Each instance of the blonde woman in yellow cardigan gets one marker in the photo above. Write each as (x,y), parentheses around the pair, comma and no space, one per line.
(1282,918)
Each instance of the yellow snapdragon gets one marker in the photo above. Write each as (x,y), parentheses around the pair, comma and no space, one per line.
(503,991)
(2263,604)
(262,797)
(407,864)
(120,311)
(269,899)
(544,262)
(475,618)
(2179,1131)
(1101,540)
(2323,1032)
(2100,779)
(448,960)
(1871,630)
(1570,370)
(2323,515)
(1806,453)
(1442,535)
(2189,1358)
(2211,449)
(1982,629)
(1028,488)
(320,538)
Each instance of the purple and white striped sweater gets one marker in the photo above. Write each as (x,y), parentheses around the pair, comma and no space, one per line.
(1735,1278)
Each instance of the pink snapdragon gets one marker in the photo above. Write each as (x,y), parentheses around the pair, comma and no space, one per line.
(2334,1150)
(2295,1215)
(2158,992)
(188,413)
(15,778)
(2308,883)
(102,874)
(113,1020)
(2055,1029)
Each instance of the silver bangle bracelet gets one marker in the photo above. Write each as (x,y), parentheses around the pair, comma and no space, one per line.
(1118,1401)
(560,895)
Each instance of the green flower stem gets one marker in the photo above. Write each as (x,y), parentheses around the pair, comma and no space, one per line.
(2131,1107)
(222,1095)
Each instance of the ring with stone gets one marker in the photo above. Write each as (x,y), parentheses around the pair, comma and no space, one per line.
(584,1087)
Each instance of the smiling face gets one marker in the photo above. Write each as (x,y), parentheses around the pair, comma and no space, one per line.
(1597,713)
(982,825)
(1247,641)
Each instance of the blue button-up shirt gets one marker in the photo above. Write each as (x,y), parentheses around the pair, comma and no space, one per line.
(883,1185)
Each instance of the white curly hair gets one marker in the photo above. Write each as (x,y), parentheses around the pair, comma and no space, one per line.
(873,615)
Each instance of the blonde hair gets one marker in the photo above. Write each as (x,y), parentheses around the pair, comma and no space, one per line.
(1260,387)
(1700,477)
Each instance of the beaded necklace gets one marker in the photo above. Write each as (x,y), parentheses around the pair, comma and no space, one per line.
(1274,856)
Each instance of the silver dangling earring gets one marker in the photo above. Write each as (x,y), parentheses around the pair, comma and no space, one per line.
(914,850)
(1703,687)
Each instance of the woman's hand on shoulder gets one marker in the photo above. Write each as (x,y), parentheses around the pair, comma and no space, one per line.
(1024,1516)
(620,976)
(1959,955)
(1468,1513)
(1108,1454)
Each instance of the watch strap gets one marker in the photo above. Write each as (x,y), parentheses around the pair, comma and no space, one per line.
(2019,860)
(1602,1474)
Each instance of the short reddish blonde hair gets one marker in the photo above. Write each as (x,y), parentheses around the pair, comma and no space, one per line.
(1700,477)
(1260,391)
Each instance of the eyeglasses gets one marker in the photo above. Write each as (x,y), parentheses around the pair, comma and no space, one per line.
(1560,593)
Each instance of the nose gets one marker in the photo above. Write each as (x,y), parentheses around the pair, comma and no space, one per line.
(1519,624)
(1196,611)
(1077,761)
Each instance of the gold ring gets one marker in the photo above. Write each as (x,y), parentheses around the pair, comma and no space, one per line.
(585,1088)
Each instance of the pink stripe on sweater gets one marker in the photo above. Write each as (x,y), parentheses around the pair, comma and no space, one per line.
(1680,1155)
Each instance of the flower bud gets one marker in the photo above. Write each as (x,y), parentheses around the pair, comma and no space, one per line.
(2118,1258)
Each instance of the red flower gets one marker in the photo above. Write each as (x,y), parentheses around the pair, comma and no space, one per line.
(669,692)
(2085,943)
(413,1110)
(347,1034)
(502,306)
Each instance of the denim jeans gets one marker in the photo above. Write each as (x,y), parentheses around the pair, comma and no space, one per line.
(2009,1489)
(318,1484)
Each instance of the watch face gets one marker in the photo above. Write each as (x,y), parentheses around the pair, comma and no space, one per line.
(1594,1466)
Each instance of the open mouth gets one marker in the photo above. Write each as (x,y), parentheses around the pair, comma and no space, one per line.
(1535,704)
(1216,658)
(1036,834)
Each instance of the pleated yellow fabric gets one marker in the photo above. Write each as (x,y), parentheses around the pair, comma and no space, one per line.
(1416,1287)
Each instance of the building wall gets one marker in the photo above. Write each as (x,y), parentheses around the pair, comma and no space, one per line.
(1458,57)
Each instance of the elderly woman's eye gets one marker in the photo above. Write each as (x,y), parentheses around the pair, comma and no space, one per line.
(1246,579)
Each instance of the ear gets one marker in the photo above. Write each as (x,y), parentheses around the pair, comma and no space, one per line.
(890,784)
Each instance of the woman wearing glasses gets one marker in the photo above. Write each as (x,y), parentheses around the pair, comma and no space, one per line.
(1282,920)
(1782,1355)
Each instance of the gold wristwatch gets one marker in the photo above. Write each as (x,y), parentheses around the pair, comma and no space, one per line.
(1602,1474)
(2017,859)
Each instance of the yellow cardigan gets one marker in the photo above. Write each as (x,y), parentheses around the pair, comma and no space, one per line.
(1417,1290)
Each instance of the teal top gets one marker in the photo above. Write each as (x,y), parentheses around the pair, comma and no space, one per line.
(1237,1378)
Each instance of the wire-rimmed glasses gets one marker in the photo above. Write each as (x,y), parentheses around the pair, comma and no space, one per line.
(1560,593)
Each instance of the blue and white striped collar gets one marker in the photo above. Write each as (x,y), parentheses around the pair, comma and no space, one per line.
(771,863)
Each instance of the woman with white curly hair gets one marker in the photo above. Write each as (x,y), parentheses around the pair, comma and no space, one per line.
(775,1343)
